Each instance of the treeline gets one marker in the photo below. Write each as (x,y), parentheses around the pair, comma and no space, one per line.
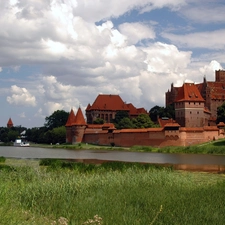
(53,131)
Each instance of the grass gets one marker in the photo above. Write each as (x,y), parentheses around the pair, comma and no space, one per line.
(60,192)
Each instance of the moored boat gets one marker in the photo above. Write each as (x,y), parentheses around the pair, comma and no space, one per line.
(21,143)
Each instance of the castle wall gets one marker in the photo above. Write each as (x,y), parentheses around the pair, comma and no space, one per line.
(154,137)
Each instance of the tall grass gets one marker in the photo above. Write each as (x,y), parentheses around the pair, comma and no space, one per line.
(118,193)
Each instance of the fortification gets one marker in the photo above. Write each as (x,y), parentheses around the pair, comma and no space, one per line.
(195,112)
(171,134)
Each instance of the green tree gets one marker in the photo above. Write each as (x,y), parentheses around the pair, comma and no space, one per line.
(118,117)
(159,112)
(4,134)
(143,121)
(13,135)
(125,123)
(98,121)
(57,119)
(221,113)
(59,135)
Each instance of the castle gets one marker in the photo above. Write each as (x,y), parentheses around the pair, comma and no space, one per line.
(196,104)
(195,118)
(106,107)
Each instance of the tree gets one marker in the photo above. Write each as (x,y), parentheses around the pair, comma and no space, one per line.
(98,121)
(59,135)
(57,119)
(118,117)
(13,135)
(143,121)
(221,113)
(125,123)
(159,112)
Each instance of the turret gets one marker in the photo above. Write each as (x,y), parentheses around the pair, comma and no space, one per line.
(10,123)
(78,127)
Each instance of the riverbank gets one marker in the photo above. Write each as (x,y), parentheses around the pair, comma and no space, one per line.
(113,193)
(213,147)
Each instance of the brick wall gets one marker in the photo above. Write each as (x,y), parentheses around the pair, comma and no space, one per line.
(161,138)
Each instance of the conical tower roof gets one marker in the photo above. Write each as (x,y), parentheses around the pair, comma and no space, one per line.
(71,119)
(10,123)
(79,118)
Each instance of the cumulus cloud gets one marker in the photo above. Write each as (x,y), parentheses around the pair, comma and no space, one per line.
(136,32)
(209,70)
(21,96)
(165,58)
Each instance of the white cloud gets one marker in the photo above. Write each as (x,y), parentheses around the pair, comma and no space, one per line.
(164,58)
(21,96)
(136,32)
(209,70)
(204,12)
(209,40)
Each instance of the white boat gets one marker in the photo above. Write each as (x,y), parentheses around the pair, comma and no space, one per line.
(21,143)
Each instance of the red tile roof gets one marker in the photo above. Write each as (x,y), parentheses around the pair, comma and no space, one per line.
(217,90)
(172,125)
(71,119)
(189,92)
(101,126)
(192,129)
(221,124)
(133,110)
(10,123)
(142,111)
(163,121)
(79,120)
(88,106)
(108,102)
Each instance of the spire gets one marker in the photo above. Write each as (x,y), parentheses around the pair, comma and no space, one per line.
(204,79)
(79,118)
(71,119)
(10,123)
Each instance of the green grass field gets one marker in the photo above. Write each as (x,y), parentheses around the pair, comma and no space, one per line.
(113,193)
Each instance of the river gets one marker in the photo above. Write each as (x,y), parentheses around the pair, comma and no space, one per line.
(142,157)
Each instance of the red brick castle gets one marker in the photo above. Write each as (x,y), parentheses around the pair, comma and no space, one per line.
(195,112)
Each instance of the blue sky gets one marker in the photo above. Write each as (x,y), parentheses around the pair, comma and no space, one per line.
(61,54)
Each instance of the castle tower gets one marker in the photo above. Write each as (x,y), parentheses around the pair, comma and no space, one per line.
(220,75)
(10,123)
(78,127)
(189,106)
(71,119)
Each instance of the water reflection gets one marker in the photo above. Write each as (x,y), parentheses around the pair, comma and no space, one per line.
(143,157)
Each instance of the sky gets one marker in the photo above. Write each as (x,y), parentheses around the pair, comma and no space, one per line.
(61,54)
